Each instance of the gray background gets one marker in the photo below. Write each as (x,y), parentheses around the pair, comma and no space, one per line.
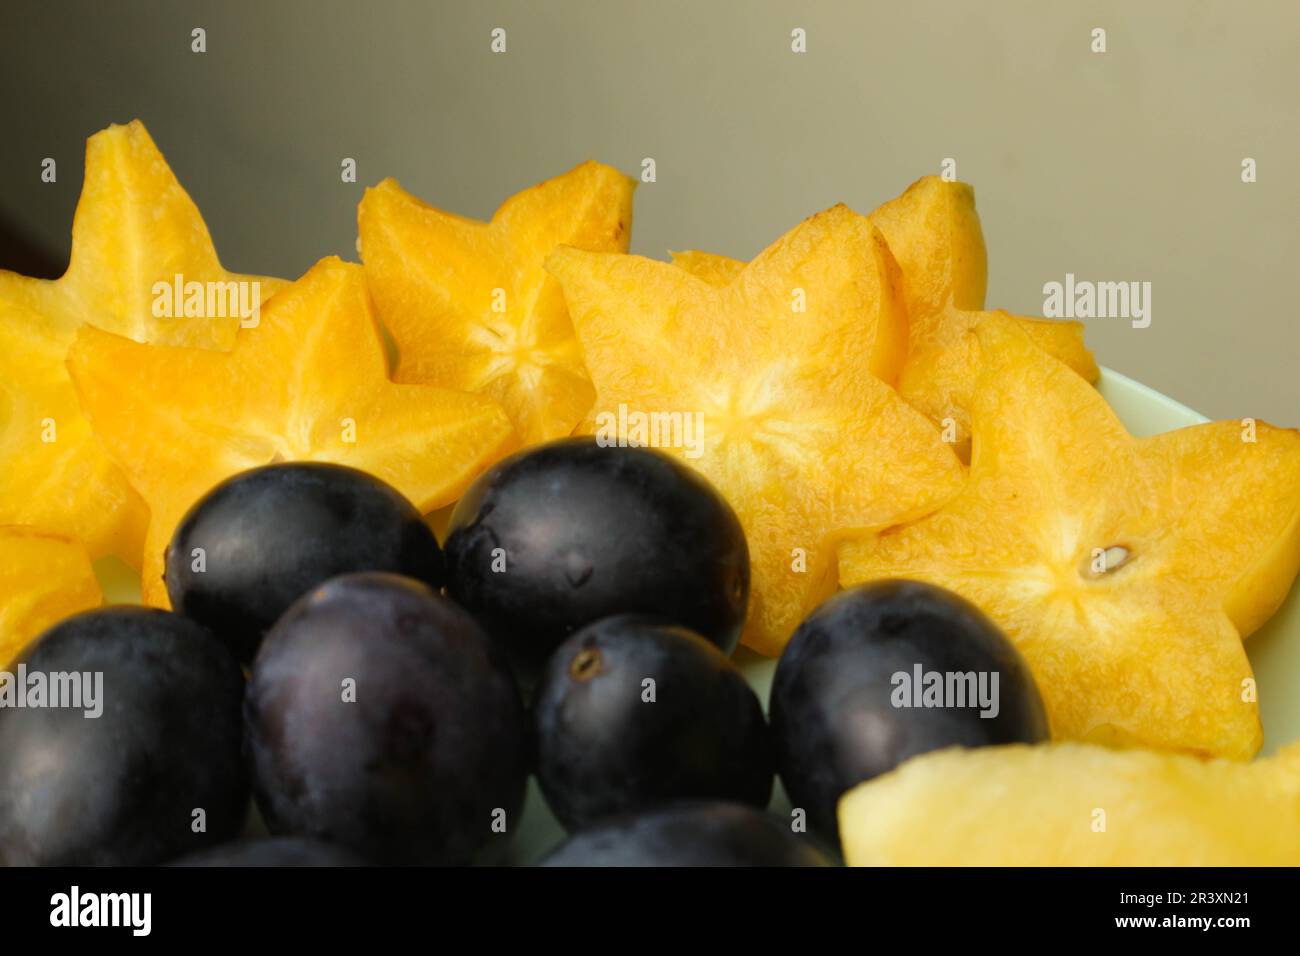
(1118,166)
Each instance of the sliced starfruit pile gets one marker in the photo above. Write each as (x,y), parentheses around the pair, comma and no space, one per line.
(784,370)
(135,227)
(1124,569)
(1072,804)
(53,474)
(934,233)
(43,579)
(308,383)
(471,306)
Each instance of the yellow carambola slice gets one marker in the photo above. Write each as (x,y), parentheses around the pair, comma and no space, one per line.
(1122,568)
(135,231)
(1075,805)
(934,233)
(785,366)
(43,579)
(471,306)
(309,383)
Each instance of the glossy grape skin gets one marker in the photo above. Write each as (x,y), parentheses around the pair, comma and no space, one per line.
(270,534)
(272,852)
(429,752)
(704,833)
(603,748)
(564,534)
(123,789)
(834,722)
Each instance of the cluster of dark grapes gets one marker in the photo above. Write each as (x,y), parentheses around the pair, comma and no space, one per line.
(385,700)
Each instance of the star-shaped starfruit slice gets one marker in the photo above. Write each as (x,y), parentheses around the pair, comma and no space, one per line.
(1122,568)
(774,381)
(934,233)
(470,304)
(309,383)
(43,579)
(135,231)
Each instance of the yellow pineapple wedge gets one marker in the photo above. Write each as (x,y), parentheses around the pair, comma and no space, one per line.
(1123,569)
(1075,805)
(934,233)
(785,368)
(43,579)
(471,306)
